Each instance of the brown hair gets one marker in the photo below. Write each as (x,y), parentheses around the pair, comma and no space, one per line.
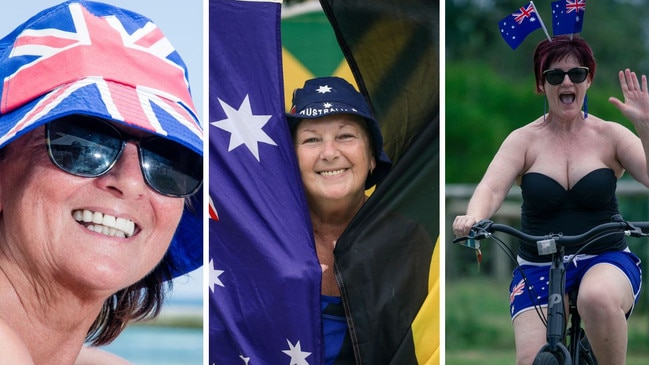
(559,48)
(140,301)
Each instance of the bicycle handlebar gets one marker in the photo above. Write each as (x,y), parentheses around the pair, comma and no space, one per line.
(485,228)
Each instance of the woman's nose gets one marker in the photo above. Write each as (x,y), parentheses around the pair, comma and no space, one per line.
(125,178)
(330,150)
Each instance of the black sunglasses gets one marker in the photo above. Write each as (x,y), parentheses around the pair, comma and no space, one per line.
(577,75)
(90,147)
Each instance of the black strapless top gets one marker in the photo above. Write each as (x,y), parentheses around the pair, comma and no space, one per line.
(549,208)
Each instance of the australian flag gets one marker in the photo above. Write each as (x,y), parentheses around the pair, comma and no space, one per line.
(518,25)
(568,16)
(264,276)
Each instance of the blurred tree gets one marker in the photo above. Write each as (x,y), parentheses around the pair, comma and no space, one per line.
(490,87)
(617,31)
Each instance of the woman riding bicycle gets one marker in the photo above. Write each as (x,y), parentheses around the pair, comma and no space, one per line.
(567,163)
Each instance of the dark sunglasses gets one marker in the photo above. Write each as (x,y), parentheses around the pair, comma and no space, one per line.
(90,147)
(555,76)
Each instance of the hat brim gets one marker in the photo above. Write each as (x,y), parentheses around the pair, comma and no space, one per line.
(113,101)
(336,108)
(186,248)
(130,107)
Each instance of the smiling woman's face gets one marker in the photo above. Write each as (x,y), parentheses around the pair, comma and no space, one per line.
(43,231)
(334,155)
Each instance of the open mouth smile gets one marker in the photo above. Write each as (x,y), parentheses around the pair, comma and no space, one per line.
(104,223)
(332,173)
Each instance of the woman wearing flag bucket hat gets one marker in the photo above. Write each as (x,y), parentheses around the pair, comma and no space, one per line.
(339,148)
(100,179)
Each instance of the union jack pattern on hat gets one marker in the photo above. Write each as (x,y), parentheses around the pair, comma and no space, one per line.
(95,59)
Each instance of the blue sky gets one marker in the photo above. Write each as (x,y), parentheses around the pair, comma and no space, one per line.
(182,23)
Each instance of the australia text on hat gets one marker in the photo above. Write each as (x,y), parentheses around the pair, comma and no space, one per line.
(326,109)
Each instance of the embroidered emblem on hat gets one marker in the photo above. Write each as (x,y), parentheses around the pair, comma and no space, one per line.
(324,89)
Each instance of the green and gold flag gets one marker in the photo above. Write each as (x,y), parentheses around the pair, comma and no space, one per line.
(387,260)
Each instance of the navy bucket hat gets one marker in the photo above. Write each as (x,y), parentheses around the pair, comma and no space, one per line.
(94,59)
(334,95)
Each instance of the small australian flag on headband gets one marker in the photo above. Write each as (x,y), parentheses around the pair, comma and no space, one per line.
(518,25)
(568,16)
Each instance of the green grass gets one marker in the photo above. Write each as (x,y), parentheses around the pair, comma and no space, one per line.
(481,356)
(479,331)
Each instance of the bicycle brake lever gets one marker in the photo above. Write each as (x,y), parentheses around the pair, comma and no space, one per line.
(481,230)
(635,231)
(478,231)
(483,225)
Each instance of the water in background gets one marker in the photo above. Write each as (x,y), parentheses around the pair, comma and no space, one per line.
(168,342)
(154,345)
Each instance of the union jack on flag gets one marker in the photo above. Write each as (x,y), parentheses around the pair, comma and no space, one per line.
(577,5)
(525,12)
(86,58)
(568,16)
(518,25)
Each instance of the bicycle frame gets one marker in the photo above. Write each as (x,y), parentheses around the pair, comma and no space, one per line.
(556,317)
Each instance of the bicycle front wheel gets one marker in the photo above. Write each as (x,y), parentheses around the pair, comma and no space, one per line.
(548,358)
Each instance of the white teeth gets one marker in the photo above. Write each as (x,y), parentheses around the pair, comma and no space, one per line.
(332,173)
(105,224)
(97,218)
(108,220)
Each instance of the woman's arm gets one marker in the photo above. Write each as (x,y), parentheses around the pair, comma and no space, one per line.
(505,167)
(635,107)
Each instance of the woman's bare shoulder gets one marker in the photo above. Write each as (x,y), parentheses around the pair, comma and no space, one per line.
(12,347)
(611,129)
(524,133)
(95,356)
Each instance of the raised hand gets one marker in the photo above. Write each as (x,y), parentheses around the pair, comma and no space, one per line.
(636,99)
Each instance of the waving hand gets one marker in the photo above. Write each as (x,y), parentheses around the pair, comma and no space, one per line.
(636,99)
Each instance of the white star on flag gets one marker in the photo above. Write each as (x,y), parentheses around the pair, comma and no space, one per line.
(246,360)
(298,357)
(214,276)
(324,89)
(244,127)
